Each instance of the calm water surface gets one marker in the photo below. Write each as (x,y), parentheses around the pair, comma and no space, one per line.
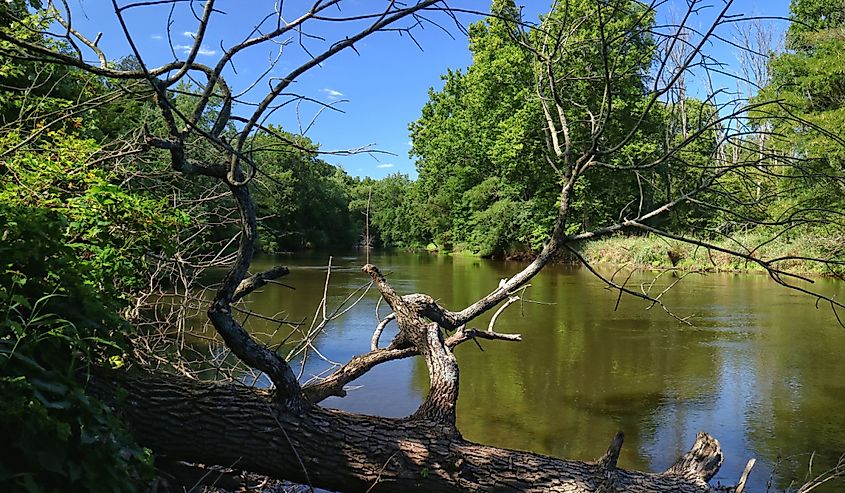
(762,369)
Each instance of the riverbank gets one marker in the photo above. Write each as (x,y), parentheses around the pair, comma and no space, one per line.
(794,254)
(651,252)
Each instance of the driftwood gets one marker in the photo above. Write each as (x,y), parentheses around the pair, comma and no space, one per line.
(182,419)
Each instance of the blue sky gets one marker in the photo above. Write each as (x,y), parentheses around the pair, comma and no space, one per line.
(379,91)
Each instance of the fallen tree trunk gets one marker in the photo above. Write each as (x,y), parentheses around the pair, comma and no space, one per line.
(246,429)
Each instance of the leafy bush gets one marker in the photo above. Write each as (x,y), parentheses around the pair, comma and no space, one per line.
(73,248)
(54,326)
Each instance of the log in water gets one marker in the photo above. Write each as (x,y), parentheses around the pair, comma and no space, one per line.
(761,369)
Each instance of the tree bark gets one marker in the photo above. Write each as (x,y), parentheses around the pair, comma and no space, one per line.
(243,428)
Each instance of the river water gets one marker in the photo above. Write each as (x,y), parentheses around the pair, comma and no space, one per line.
(762,369)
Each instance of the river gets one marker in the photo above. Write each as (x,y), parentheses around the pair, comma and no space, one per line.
(762,369)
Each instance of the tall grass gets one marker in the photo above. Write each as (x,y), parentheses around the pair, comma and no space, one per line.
(795,253)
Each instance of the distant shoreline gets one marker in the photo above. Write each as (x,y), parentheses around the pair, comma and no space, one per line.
(652,252)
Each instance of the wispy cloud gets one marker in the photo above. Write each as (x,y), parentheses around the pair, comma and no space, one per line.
(332,94)
(386,165)
(189,34)
(185,49)
(157,37)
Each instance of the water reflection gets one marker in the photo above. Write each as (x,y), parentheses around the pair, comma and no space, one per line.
(761,370)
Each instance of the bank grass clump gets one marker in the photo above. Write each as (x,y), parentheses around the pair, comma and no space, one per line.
(793,253)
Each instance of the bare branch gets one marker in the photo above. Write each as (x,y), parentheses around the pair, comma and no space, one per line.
(259,280)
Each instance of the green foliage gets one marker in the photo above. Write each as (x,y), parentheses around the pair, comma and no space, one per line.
(302,201)
(57,438)
(74,246)
(479,143)
(388,201)
(806,108)
(810,83)
(809,18)
(596,36)
(108,228)
(484,184)
(33,91)
(54,325)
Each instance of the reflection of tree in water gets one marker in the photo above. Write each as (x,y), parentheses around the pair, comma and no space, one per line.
(580,373)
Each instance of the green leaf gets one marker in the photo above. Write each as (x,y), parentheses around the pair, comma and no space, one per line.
(52,387)
(52,460)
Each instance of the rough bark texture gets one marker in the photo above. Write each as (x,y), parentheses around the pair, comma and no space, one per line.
(427,339)
(181,419)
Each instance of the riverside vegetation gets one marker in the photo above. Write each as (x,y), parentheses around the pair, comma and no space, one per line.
(100,215)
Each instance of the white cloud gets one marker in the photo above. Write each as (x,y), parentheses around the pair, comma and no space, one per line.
(332,94)
(185,49)
(157,37)
(386,165)
(189,34)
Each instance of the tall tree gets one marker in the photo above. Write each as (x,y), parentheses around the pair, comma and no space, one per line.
(804,106)
(479,145)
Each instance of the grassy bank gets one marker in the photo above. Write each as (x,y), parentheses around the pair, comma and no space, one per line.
(654,252)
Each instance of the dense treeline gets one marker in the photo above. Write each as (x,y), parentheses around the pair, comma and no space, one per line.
(485,187)
(480,140)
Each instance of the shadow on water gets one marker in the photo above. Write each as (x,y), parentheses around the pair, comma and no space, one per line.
(761,370)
